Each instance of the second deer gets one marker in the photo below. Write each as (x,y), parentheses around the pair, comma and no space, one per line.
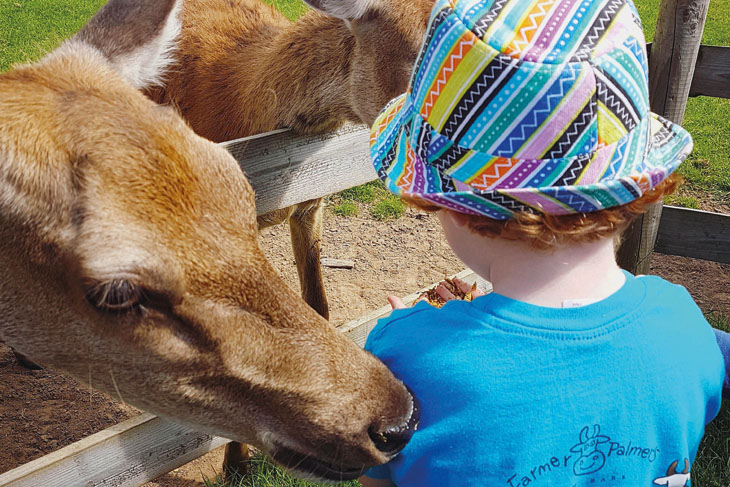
(243,68)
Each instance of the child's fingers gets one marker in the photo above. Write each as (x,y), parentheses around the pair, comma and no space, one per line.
(464,286)
(396,302)
(476,293)
(467,288)
(442,291)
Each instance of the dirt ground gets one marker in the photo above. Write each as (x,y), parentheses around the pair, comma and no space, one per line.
(41,411)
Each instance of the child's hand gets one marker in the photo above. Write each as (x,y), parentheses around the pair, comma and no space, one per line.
(458,289)
(446,291)
(396,302)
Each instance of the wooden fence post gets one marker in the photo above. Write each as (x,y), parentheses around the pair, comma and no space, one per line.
(671,69)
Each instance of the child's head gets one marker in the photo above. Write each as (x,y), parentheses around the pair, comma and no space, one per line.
(532,120)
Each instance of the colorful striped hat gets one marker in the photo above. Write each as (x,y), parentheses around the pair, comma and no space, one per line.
(527,105)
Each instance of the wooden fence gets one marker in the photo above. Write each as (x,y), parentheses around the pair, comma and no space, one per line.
(679,67)
(285,169)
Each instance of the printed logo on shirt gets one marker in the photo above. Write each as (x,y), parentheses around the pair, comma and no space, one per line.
(674,479)
(588,457)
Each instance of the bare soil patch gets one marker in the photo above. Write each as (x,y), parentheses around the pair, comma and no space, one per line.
(41,411)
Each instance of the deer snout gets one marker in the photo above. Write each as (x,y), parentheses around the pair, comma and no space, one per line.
(386,439)
(391,439)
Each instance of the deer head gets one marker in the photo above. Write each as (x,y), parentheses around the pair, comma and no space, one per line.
(388,36)
(130,259)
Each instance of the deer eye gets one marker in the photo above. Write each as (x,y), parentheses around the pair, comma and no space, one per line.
(115,296)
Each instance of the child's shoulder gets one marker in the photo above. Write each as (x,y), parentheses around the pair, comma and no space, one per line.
(404,317)
(671,309)
(658,288)
(419,321)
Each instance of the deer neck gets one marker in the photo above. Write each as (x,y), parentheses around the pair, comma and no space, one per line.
(309,70)
(256,78)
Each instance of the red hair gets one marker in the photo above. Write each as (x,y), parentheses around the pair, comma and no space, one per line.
(547,231)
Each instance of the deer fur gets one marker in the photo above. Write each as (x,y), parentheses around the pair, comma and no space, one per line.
(130,259)
(243,69)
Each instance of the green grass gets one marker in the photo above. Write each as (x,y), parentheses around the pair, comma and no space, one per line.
(345,208)
(31,28)
(708,168)
(389,208)
(683,200)
(293,9)
(379,202)
(712,466)
(263,473)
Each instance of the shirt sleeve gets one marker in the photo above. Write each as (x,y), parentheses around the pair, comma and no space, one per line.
(377,333)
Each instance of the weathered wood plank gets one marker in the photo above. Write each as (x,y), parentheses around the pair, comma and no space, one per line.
(712,72)
(359,329)
(126,455)
(337,263)
(285,169)
(674,55)
(671,69)
(694,233)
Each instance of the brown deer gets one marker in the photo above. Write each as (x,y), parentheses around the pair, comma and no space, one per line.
(130,259)
(243,68)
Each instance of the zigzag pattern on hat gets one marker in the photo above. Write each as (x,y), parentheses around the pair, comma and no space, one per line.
(599,27)
(527,105)
(577,130)
(479,95)
(485,21)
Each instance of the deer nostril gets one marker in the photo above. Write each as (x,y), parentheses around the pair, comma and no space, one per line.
(392,439)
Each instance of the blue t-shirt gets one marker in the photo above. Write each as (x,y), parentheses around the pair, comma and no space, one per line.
(614,393)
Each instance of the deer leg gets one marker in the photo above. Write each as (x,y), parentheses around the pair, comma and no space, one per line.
(235,461)
(306,235)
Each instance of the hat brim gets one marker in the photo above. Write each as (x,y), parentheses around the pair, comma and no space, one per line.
(404,173)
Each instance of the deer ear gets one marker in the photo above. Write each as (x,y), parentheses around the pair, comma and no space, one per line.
(138,37)
(343,9)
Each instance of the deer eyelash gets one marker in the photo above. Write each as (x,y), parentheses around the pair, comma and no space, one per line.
(115,296)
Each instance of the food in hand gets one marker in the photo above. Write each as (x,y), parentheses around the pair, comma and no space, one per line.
(437,299)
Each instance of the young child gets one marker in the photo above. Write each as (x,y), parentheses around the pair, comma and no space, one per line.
(526,127)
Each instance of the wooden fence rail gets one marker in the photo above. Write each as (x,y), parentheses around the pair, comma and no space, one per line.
(694,233)
(285,169)
(712,72)
(125,455)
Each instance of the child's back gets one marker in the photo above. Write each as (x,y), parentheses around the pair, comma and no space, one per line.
(527,127)
(515,394)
